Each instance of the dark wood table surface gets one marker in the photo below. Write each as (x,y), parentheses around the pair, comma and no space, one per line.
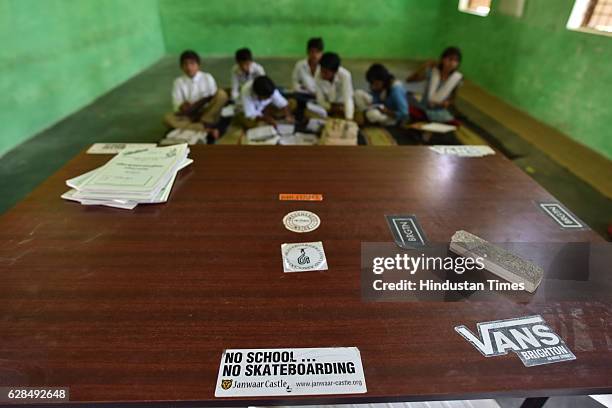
(137,306)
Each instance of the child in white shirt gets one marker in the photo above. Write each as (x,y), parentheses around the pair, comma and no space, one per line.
(441,79)
(245,70)
(334,87)
(261,103)
(305,70)
(196,100)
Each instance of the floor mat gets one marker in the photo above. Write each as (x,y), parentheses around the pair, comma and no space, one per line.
(378,136)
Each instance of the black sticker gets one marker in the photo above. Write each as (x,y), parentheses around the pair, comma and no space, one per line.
(406,231)
(561,215)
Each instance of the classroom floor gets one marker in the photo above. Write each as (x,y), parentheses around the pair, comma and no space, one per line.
(132,112)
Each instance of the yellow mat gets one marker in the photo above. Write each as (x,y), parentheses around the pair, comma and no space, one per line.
(469,137)
(378,136)
(232,135)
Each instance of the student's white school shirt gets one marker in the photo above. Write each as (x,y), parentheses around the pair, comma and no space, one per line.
(439,90)
(186,89)
(340,90)
(239,78)
(252,106)
(302,78)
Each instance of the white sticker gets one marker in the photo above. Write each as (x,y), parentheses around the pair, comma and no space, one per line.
(463,150)
(529,337)
(114,148)
(301,221)
(290,371)
(304,257)
(561,215)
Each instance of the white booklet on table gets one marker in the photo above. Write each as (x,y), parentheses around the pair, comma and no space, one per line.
(142,171)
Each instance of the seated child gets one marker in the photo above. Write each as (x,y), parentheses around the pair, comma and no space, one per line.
(441,83)
(305,70)
(261,103)
(245,70)
(334,87)
(386,103)
(196,100)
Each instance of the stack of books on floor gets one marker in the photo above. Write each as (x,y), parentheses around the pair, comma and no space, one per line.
(180,136)
(340,132)
(282,133)
(132,177)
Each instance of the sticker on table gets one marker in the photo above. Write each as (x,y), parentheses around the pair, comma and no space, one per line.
(303,257)
(561,215)
(300,197)
(528,337)
(290,371)
(301,221)
(406,231)
(463,150)
(114,148)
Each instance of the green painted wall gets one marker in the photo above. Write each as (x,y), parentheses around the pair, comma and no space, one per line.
(561,77)
(355,28)
(58,55)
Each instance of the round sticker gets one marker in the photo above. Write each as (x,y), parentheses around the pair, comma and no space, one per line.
(301,221)
(306,256)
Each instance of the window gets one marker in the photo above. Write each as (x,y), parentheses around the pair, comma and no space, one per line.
(591,16)
(478,7)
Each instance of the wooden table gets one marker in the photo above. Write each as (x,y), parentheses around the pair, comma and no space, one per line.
(137,306)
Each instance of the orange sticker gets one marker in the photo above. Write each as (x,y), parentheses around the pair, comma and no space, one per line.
(300,197)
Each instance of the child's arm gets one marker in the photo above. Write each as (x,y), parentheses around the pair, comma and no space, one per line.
(322,100)
(178,100)
(295,78)
(421,73)
(347,98)
(235,86)
(398,96)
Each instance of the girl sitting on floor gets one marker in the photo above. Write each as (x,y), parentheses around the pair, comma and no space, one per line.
(385,103)
(441,80)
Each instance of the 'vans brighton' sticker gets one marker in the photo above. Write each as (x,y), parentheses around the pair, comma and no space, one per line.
(561,215)
(529,337)
(290,371)
(406,231)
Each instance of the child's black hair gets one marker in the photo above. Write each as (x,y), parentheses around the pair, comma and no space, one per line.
(189,55)
(331,61)
(450,52)
(244,54)
(381,73)
(315,43)
(263,86)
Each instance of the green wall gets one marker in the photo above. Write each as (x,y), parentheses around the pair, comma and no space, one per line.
(562,77)
(58,55)
(355,28)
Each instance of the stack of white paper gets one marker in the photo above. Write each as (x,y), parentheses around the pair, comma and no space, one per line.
(316,109)
(315,125)
(285,129)
(299,139)
(114,148)
(132,177)
(180,136)
(436,127)
(228,111)
(262,135)
(463,150)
